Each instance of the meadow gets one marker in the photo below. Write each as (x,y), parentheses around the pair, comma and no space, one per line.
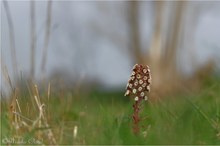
(101,117)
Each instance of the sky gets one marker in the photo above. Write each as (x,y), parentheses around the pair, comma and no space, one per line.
(80,46)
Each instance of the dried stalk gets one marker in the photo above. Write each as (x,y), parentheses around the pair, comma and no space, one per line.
(12,38)
(47,36)
(33,39)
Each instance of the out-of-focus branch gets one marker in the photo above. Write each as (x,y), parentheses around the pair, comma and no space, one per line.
(133,12)
(173,40)
(155,51)
(12,38)
(156,44)
(47,36)
(33,39)
(163,57)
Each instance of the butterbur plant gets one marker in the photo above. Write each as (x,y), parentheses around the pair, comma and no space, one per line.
(137,86)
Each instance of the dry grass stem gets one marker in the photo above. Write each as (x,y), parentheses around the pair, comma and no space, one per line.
(12,38)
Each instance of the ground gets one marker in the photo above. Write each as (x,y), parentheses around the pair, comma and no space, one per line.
(104,117)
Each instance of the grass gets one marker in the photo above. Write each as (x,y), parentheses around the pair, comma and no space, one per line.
(105,118)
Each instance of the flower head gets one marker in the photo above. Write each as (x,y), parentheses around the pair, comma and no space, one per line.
(139,81)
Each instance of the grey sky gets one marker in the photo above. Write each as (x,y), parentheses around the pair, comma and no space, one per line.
(80,43)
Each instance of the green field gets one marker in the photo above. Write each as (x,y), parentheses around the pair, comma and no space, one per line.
(100,117)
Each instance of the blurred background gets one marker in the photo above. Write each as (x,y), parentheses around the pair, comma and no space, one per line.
(95,44)
(65,66)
